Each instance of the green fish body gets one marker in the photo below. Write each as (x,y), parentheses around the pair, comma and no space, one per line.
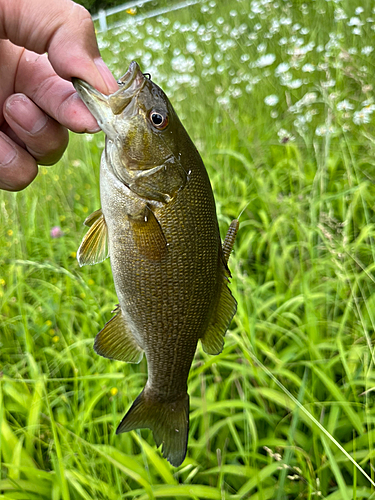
(158,224)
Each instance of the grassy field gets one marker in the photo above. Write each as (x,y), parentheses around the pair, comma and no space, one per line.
(278,97)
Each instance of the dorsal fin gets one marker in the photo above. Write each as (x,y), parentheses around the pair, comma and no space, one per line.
(94,246)
(230,238)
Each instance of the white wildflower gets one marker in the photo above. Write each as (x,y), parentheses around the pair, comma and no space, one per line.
(328,84)
(271,100)
(340,14)
(183,64)
(285,136)
(282,68)
(236,93)
(367,50)
(207,60)
(191,47)
(265,60)
(361,117)
(308,68)
(344,105)
(262,47)
(323,130)
(285,21)
(355,21)
(295,84)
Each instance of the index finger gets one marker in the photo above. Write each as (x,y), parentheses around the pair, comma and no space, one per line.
(57,97)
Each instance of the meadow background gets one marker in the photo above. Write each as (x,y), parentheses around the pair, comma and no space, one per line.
(278,97)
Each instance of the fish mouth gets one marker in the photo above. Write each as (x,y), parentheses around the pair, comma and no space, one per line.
(103,107)
(133,78)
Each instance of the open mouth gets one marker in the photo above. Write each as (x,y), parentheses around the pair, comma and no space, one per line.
(129,85)
(133,78)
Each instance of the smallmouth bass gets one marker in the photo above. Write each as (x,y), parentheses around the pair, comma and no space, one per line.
(159,227)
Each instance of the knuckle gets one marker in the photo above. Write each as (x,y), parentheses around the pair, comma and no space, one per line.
(55,141)
(83,16)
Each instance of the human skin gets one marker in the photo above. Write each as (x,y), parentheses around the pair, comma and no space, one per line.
(42,46)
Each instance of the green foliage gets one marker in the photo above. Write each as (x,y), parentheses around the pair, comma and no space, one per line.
(94,5)
(286,410)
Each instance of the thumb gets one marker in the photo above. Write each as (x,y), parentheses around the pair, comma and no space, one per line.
(65,31)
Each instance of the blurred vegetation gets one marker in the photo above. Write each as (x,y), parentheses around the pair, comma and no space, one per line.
(93,6)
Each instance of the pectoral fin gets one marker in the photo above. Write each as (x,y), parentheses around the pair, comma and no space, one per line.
(213,339)
(148,235)
(94,246)
(115,341)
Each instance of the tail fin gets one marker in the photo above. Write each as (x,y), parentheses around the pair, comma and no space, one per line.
(169,422)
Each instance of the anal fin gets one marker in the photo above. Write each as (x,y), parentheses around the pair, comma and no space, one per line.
(213,339)
(94,246)
(115,341)
(226,306)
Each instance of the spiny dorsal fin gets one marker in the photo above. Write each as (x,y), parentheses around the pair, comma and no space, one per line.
(94,246)
(230,238)
(213,339)
(148,235)
(168,420)
(115,341)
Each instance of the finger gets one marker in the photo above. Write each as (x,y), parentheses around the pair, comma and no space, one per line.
(57,97)
(62,28)
(17,168)
(44,138)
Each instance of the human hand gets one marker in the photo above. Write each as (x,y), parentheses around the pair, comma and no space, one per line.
(38,103)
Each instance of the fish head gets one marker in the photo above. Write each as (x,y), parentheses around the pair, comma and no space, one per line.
(143,131)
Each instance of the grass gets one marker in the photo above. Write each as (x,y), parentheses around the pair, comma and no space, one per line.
(286,410)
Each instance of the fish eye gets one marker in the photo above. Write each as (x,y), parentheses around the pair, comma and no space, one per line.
(159,120)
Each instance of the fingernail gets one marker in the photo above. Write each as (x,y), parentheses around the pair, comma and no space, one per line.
(107,76)
(7,151)
(27,114)
(93,130)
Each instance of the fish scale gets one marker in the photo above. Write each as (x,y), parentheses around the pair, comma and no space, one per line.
(158,225)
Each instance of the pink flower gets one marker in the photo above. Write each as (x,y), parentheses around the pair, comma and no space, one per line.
(56,232)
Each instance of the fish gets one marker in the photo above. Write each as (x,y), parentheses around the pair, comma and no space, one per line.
(158,225)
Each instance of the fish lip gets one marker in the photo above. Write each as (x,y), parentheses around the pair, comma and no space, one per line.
(133,77)
(79,84)
(106,107)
